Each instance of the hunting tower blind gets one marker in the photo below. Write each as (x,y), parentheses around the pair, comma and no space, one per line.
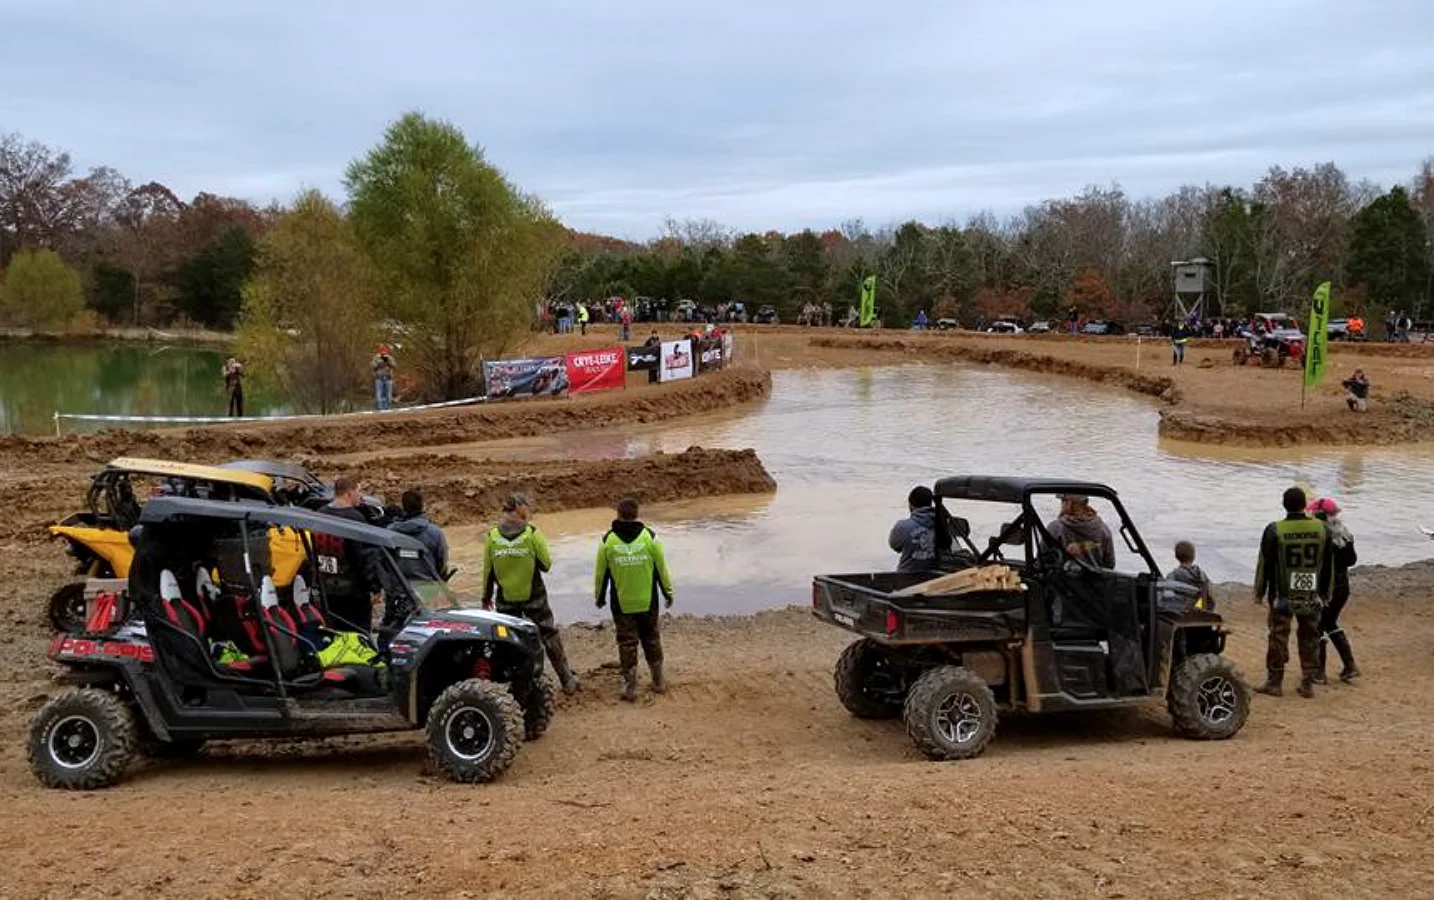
(1194,285)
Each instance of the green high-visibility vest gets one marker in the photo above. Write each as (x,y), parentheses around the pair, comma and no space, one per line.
(1300,561)
(635,570)
(512,562)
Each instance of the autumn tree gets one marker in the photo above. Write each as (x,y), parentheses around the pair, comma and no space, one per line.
(40,291)
(1090,295)
(1389,251)
(461,255)
(307,320)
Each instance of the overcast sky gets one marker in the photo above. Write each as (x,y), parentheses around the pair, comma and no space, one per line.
(777,114)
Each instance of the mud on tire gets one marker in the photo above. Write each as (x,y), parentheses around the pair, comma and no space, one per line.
(474,730)
(81,740)
(538,708)
(1208,700)
(950,713)
(854,670)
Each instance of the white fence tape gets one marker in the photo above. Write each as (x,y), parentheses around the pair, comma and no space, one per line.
(215,420)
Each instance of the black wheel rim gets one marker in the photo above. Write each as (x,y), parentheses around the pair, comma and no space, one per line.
(74,742)
(1217,700)
(470,733)
(958,718)
(69,607)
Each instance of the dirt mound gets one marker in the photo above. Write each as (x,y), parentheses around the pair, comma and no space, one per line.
(429,428)
(1399,420)
(1151,385)
(460,490)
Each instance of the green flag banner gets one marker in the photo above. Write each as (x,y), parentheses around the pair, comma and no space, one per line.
(868,301)
(1317,344)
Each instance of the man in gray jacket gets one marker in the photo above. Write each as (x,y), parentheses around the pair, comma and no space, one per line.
(416,525)
(915,536)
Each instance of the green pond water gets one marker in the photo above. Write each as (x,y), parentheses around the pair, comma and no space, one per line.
(38,379)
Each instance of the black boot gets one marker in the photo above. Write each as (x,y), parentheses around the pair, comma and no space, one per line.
(1346,655)
(629,685)
(1272,686)
(1320,676)
(1306,688)
(659,682)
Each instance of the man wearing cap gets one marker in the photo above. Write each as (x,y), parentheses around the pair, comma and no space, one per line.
(383,367)
(1293,574)
(915,536)
(1080,532)
(515,556)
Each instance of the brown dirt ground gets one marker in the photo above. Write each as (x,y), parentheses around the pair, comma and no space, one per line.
(749,780)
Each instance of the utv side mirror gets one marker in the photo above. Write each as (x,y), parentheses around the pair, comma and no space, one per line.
(960,527)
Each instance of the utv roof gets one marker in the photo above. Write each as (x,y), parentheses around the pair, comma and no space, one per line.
(999,489)
(164,509)
(273,468)
(169,469)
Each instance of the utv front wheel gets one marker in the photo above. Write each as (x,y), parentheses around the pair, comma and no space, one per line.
(474,730)
(1208,699)
(81,740)
(950,713)
(866,684)
(67,608)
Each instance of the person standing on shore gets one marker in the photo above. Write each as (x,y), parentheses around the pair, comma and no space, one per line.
(1342,549)
(583,316)
(234,386)
(631,569)
(1293,575)
(515,556)
(383,367)
(1179,337)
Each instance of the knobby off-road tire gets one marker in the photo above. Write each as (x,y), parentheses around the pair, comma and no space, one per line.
(1208,700)
(81,740)
(950,713)
(1241,356)
(854,669)
(67,608)
(538,708)
(474,730)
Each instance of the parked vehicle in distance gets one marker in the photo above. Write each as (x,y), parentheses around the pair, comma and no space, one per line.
(1006,325)
(767,315)
(1042,327)
(1149,331)
(1101,327)
(947,324)
(1338,329)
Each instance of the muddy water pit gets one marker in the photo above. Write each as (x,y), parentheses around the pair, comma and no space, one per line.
(845,446)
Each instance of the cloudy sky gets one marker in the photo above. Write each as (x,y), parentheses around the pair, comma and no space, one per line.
(778,114)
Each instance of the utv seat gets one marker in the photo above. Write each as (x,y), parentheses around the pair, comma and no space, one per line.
(188,616)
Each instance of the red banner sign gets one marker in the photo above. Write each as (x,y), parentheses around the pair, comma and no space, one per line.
(596,370)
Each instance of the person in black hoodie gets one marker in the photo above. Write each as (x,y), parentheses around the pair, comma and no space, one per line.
(416,524)
(915,536)
(355,583)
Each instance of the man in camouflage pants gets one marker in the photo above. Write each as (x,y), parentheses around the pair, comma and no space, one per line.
(1294,574)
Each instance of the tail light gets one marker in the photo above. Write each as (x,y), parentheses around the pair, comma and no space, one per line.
(893,623)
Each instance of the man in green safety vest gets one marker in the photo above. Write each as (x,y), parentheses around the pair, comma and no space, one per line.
(1294,574)
(515,556)
(631,569)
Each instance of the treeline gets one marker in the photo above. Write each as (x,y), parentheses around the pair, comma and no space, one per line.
(129,254)
(1101,252)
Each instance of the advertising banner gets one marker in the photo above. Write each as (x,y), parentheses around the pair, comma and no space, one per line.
(526,377)
(676,360)
(709,355)
(596,370)
(643,359)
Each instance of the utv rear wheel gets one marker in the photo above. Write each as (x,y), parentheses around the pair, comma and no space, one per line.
(538,709)
(866,684)
(1241,356)
(1208,700)
(950,713)
(67,608)
(474,730)
(81,740)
